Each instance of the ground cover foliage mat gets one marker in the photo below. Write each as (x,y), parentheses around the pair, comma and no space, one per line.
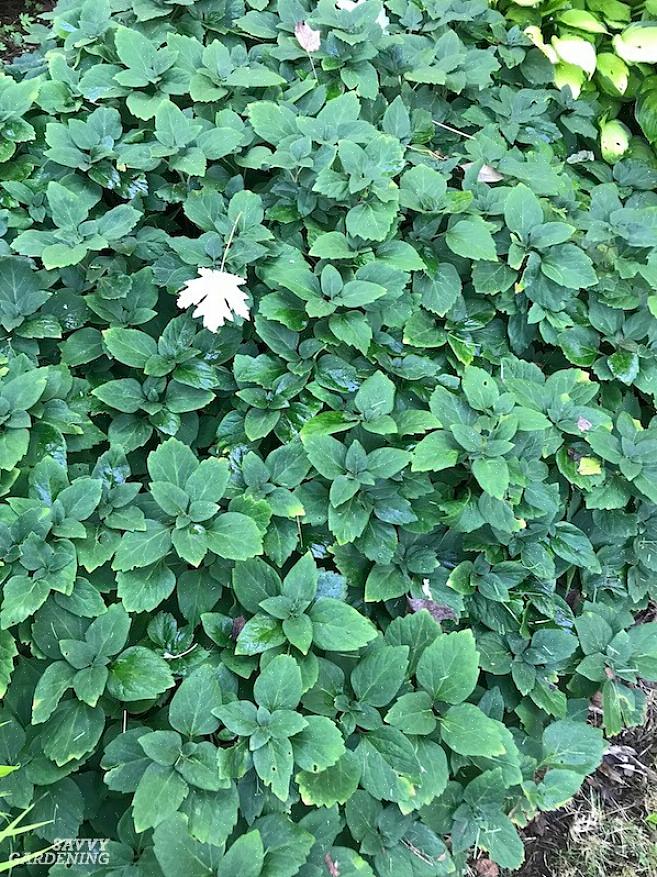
(327,446)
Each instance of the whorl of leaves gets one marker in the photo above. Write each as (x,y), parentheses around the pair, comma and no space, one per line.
(329,591)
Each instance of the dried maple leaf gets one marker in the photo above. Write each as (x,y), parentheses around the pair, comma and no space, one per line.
(438,611)
(486,868)
(217,297)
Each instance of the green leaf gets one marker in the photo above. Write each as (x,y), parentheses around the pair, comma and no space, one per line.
(138,674)
(376,396)
(177,851)
(139,54)
(81,498)
(142,548)
(371,221)
(335,785)
(573,746)
(172,462)
(479,387)
(352,329)
(190,710)
(234,536)
(300,584)
(25,390)
(208,483)
(107,635)
(624,366)
(21,598)
(124,761)
(349,862)
(471,238)
(332,245)
(338,626)
(199,768)
(643,641)
(279,684)
(162,747)
(571,544)
(449,668)
(254,581)
(499,836)
(435,452)
(386,582)
(259,634)
(492,476)
(286,845)
(73,731)
(557,788)
(124,394)
(326,454)
(160,792)
(56,679)
(412,713)
(387,462)
(469,731)
(522,211)
(550,646)
(569,266)
(389,765)
(245,857)
(422,189)
(439,290)
(379,675)
(318,746)
(130,346)
(239,716)
(144,589)
(8,652)
(67,209)
(274,763)
(21,291)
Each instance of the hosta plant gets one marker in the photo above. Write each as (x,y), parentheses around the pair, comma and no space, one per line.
(327,436)
(605,50)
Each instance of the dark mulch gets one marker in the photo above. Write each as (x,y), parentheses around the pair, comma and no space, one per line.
(10,11)
(10,21)
(620,784)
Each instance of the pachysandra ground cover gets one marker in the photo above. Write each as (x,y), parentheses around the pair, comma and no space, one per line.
(327,446)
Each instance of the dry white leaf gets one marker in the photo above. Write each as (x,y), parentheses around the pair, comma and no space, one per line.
(217,297)
(382,19)
(487,174)
(308,38)
(582,155)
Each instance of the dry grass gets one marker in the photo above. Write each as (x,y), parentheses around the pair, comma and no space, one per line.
(609,843)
